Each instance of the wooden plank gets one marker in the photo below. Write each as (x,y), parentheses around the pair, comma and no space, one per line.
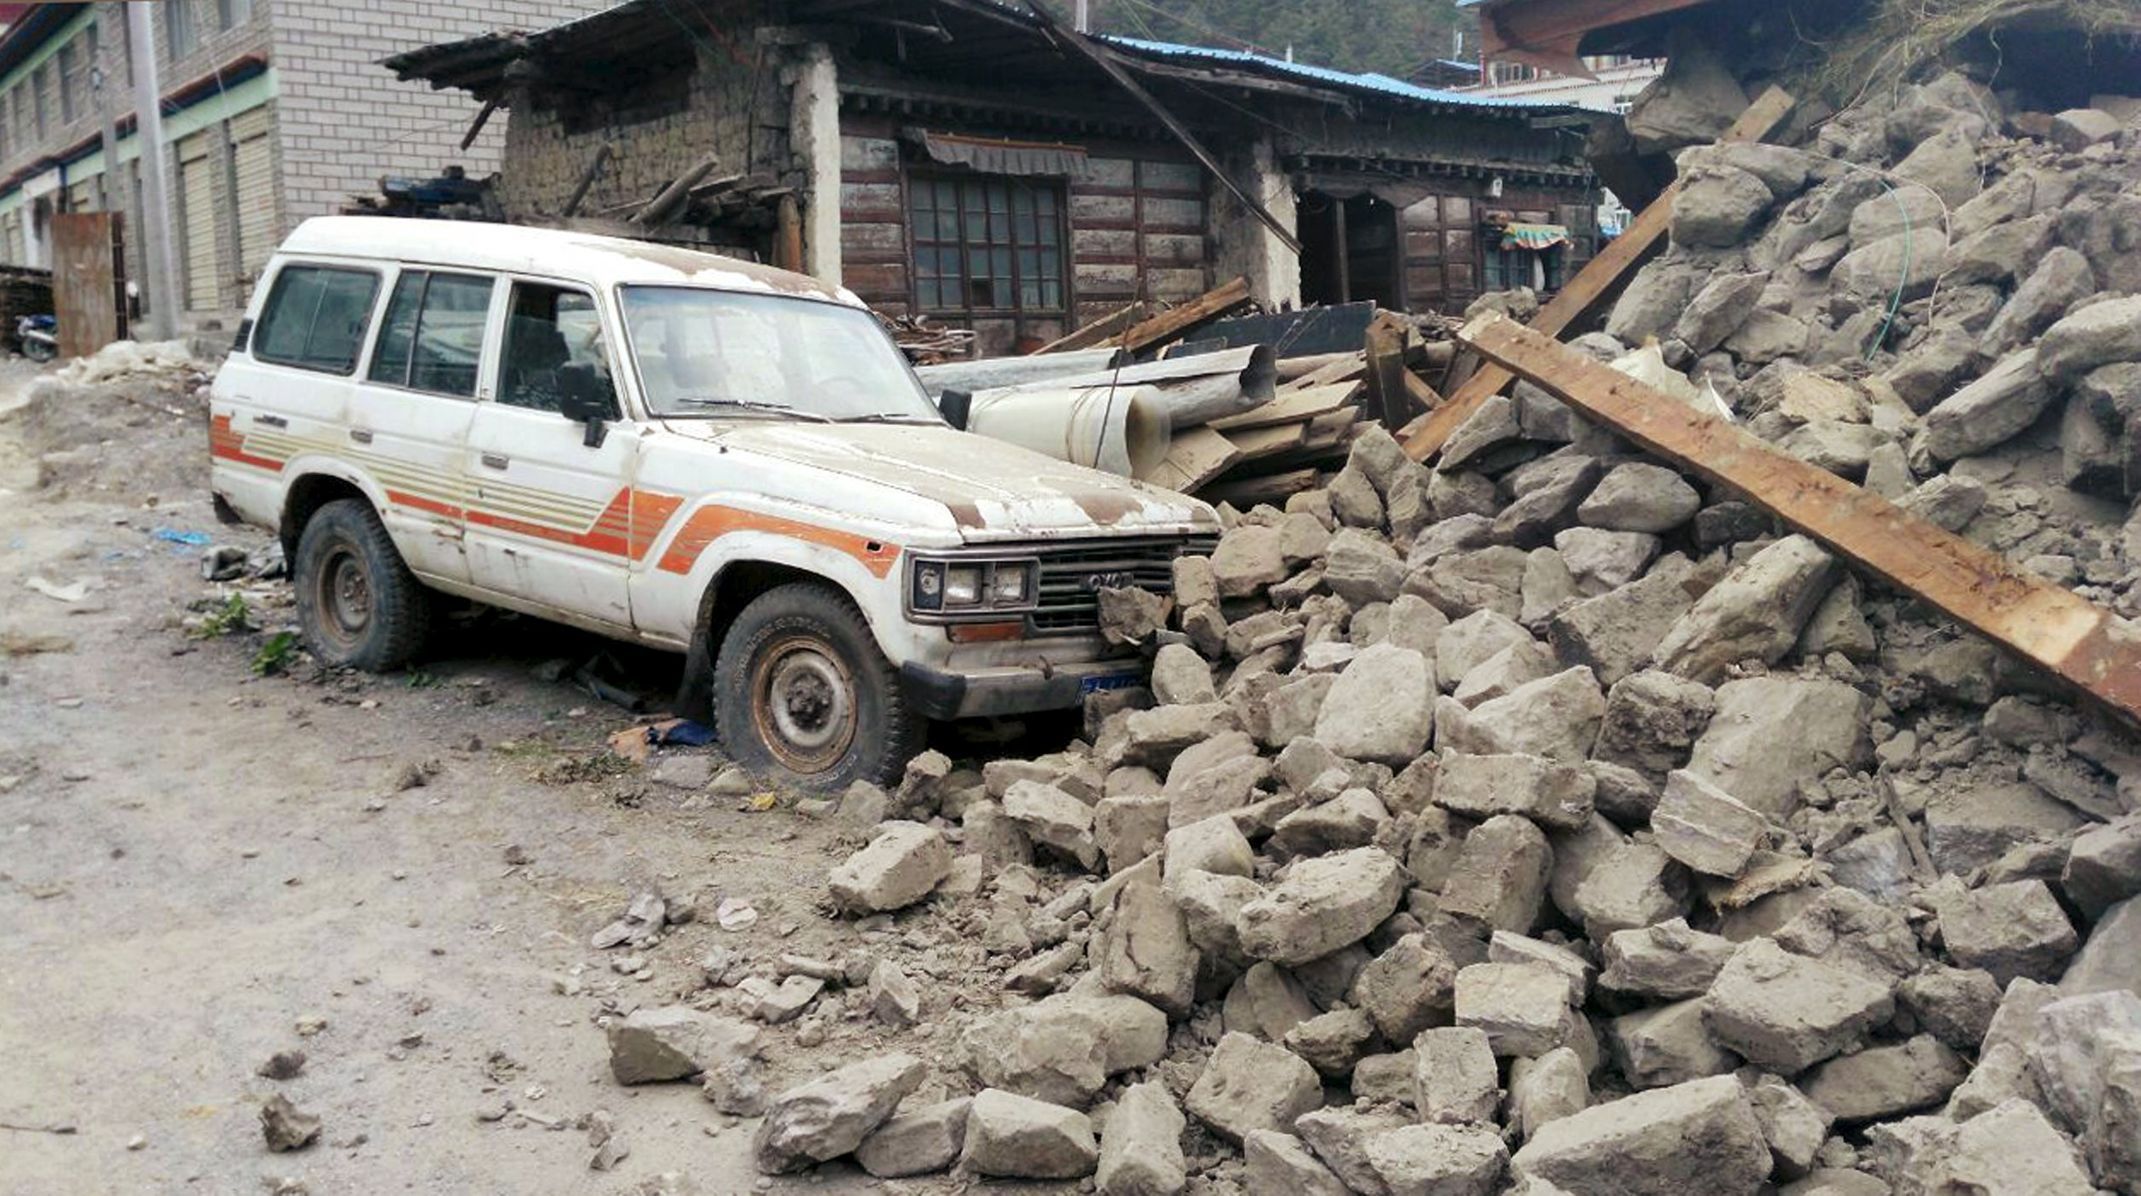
(1292,406)
(2068,636)
(1172,323)
(1272,488)
(1352,367)
(1254,444)
(1195,457)
(1386,365)
(1425,436)
(1419,393)
(1099,330)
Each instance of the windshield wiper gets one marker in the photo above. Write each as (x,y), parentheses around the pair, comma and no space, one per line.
(754,405)
(887,417)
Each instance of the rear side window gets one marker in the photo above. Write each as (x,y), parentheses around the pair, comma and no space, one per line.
(315,318)
(433,335)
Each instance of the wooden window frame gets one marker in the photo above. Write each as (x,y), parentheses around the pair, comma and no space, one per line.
(921,183)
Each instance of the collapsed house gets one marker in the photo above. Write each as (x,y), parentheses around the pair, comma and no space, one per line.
(966,161)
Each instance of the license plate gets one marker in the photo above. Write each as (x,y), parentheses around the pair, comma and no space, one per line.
(1106,681)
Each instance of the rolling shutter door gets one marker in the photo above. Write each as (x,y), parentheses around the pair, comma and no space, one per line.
(254,165)
(197,191)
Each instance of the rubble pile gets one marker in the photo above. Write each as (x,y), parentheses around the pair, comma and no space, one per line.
(1544,818)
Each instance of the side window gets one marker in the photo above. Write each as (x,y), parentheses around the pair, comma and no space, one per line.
(315,318)
(432,337)
(553,343)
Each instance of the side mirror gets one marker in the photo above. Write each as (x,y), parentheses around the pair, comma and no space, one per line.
(956,406)
(586,399)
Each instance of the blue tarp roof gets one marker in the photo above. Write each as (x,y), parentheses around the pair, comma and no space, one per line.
(1382,85)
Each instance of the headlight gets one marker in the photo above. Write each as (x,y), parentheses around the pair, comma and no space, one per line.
(1008,587)
(962,585)
(970,587)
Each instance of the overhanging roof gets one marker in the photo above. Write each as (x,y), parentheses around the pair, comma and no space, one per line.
(1008,34)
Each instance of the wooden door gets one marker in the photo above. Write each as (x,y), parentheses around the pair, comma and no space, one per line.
(88,281)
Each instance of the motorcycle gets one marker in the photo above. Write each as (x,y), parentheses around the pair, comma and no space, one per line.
(38,337)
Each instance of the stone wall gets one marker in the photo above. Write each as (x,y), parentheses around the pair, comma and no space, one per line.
(726,107)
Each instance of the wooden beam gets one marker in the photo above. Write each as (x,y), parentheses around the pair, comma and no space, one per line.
(1098,332)
(1386,372)
(2049,625)
(670,198)
(1426,436)
(587,179)
(1175,321)
(1114,70)
(475,127)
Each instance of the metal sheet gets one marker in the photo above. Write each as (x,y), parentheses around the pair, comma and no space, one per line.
(86,281)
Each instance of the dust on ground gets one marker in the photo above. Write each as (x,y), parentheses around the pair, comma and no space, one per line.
(199,865)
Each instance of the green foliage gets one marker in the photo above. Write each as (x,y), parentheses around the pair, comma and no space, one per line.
(223,619)
(275,654)
(1391,37)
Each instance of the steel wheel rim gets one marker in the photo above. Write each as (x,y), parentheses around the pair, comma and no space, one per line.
(803,704)
(344,595)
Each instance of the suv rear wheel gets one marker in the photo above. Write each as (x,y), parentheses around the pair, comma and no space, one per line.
(801,689)
(357,603)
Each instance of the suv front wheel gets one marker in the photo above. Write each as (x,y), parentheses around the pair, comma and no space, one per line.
(357,603)
(800,688)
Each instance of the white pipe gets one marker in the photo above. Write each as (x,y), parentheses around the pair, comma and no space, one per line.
(1195,390)
(1122,430)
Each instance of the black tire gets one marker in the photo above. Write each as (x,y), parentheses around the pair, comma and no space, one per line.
(357,603)
(843,719)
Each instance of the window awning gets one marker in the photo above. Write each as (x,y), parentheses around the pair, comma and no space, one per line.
(1533,236)
(990,155)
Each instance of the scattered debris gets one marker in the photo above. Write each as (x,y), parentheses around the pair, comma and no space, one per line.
(285,1127)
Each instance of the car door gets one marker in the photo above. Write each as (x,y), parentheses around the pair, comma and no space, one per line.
(409,419)
(286,392)
(551,517)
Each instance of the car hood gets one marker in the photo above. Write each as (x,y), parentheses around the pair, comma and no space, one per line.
(991,490)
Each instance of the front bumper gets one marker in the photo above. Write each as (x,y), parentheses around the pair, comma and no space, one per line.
(988,692)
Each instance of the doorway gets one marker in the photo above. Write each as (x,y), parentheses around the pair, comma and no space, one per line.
(1350,250)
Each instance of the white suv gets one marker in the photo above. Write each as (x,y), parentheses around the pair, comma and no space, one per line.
(679,449)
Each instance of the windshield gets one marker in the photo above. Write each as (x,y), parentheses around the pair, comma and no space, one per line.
(709,353)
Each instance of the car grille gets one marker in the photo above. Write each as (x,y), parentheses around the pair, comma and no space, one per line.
(1070,573)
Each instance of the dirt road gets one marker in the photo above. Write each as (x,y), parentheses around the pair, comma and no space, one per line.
(196,862)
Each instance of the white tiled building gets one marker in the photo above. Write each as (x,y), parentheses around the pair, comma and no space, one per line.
(273,110)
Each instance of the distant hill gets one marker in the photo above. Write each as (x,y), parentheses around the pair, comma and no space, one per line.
(1393,37)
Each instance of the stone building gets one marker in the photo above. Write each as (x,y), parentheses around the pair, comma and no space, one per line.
(960,160)
(273,111)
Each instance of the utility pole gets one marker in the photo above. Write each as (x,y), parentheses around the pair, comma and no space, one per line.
(159,246)
(1082,16)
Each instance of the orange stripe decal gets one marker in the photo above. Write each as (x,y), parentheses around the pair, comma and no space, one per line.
(229,444)
(708,524)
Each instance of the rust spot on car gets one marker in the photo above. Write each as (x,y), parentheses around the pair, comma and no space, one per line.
(966,514)
(1107,508)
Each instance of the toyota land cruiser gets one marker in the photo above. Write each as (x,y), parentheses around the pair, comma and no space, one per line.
(683,450)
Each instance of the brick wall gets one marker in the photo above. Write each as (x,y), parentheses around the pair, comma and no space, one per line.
(345,120)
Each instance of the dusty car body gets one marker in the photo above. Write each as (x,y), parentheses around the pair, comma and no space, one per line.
(678,449)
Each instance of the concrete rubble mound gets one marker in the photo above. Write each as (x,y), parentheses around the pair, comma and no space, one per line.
(1595,833)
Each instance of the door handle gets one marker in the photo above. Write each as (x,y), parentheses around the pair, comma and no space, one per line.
(272,421)
(360,435)
(496,460)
